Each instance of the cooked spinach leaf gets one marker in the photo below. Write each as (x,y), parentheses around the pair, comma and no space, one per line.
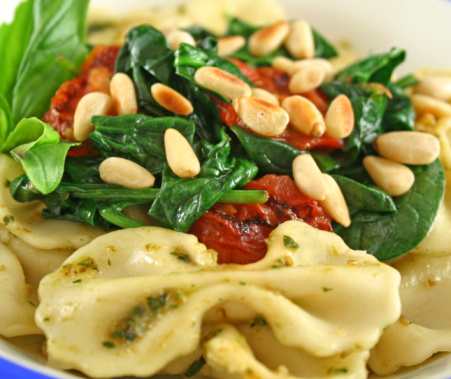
(275,157)
(374,69)
(182,201)
(147,58)
(138,137)
(391,234)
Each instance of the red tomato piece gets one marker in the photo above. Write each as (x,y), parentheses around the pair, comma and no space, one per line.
(94,76)
(238,231)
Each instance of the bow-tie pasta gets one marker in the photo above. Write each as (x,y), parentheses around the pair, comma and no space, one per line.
(140,301)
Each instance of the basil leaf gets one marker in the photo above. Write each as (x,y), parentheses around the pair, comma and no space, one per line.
(390,235)
(14,40)
(44,165)
(59,29)
(6,123)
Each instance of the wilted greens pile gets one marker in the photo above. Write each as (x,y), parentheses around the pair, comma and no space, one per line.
(45,52)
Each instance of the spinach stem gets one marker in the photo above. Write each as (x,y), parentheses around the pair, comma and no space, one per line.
(149,194)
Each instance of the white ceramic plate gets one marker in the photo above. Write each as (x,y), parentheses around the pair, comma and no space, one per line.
(421,27)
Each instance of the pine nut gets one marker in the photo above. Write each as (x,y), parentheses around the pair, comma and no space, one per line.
(428,104)
(171,100)
(123,94)
(394,178)
(180,155)
(260,93)
(304,115)
(307,78)
(261,116)
(308,177)
(92,104)
(229,45)
(406,147)
(339,117)
(334,203)
(126,173)
(438,86)
(291,67)
(300,42)
(267,40)
(222,82)
(176,37)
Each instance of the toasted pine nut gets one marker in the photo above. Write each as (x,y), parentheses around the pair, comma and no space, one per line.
(300,42)
(171,100)
(261,116)
(307,78)
(267,40)
(92,104)
(126,173)
(180,155)
(260,93)
(406,147)
(222,82)
(335,203)
(428,104)
(438,86)
(229,45)
(123,94)
(304,115)
(291,67)
(176,37)
(308,177)
(339,117)
(394,178)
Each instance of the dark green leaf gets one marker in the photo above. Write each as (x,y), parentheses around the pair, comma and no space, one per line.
(359,196)
(323,48)
(375,69)
(138,137)
(400,114)
(390,235)
(275,157)
(183,201)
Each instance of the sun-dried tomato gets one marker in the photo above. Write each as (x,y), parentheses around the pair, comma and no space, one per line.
(238,231)
(94,76)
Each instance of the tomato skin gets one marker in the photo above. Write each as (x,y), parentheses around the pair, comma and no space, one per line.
(276,82)
(238,231)
(94,76)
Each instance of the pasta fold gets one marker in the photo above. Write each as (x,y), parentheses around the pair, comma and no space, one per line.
(116,305)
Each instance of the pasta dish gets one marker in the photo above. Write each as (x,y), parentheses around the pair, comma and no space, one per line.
(205,191)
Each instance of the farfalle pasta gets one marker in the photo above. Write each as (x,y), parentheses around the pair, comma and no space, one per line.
(195,200)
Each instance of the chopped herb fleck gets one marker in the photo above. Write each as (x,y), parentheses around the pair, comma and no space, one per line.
(216,332)
(195,367)
(33,304)
(109,262)
(156,302)
(327,289)
(8,219)
(45,319)
(342,370)
(258,321)
(182,257)
(275,266)
(88,263)
(77,281)
(243,283)
(290,242)
(108,344)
